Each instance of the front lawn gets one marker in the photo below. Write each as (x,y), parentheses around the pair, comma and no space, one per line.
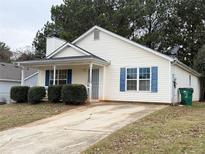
(12,115)
(171,130)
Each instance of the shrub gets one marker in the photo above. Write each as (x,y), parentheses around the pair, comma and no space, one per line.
(36,94)
(74,94)
(54,93)
(19,93)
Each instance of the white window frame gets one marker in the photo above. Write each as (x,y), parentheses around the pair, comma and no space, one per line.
(131,79)
(138,68)
(150,77)
(57,76)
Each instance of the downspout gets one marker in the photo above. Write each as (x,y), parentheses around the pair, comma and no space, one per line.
(174,62)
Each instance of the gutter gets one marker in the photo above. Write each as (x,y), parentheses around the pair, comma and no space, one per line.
(53,60)
(185,67)
(72,59)
(9,80)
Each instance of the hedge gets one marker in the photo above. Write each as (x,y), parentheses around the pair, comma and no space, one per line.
(19,93)
(36,94)
(75,94)
(54,93)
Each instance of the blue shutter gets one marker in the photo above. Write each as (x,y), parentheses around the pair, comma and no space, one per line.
(69,76)
(154,81)
(47,78)
(122,79)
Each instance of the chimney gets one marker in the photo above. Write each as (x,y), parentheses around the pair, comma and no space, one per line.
(53,43)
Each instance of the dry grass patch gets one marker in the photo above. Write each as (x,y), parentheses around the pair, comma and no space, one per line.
(171,130)
(12,115)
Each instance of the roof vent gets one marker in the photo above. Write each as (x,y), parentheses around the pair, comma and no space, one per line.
(96,34)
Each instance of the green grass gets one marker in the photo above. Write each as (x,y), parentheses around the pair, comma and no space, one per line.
(12,115)
(173,130)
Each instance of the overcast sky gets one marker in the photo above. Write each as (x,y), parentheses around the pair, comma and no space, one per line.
(20,20)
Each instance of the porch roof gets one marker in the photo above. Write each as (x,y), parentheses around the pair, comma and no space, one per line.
(75,60)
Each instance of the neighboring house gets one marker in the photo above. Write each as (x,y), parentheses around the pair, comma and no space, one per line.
(120,70)
(10,75)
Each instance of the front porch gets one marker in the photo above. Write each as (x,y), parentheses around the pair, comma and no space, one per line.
(80,70)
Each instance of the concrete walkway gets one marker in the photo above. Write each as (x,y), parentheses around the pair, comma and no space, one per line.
(72,131)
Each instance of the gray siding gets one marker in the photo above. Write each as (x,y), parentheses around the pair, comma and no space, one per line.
(5,90)
(31,81)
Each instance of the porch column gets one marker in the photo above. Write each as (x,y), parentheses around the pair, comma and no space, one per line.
(54,75)
(22,76)
(90,83)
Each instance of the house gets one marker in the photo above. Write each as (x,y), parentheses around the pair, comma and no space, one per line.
(119,69)
(10,75)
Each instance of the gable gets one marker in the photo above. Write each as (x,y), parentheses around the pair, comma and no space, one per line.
(91,32)
(68,52)
(116,50)
(113,47)
(116,36)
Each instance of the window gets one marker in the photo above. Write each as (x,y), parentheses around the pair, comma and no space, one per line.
(61,77)
(96,35)
(131,78)
(144,79)
(189,80)
(138,80)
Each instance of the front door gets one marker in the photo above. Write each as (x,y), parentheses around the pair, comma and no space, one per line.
(95,83)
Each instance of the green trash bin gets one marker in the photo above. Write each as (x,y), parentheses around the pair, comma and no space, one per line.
(186,95)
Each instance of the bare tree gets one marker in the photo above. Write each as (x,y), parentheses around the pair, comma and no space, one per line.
(25,53)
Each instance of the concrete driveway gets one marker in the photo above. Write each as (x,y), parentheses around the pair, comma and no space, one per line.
(72,131)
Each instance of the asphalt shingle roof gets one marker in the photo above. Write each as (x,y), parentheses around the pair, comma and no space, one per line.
(12,72)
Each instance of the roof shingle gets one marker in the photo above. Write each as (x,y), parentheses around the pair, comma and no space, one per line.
(13,72)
